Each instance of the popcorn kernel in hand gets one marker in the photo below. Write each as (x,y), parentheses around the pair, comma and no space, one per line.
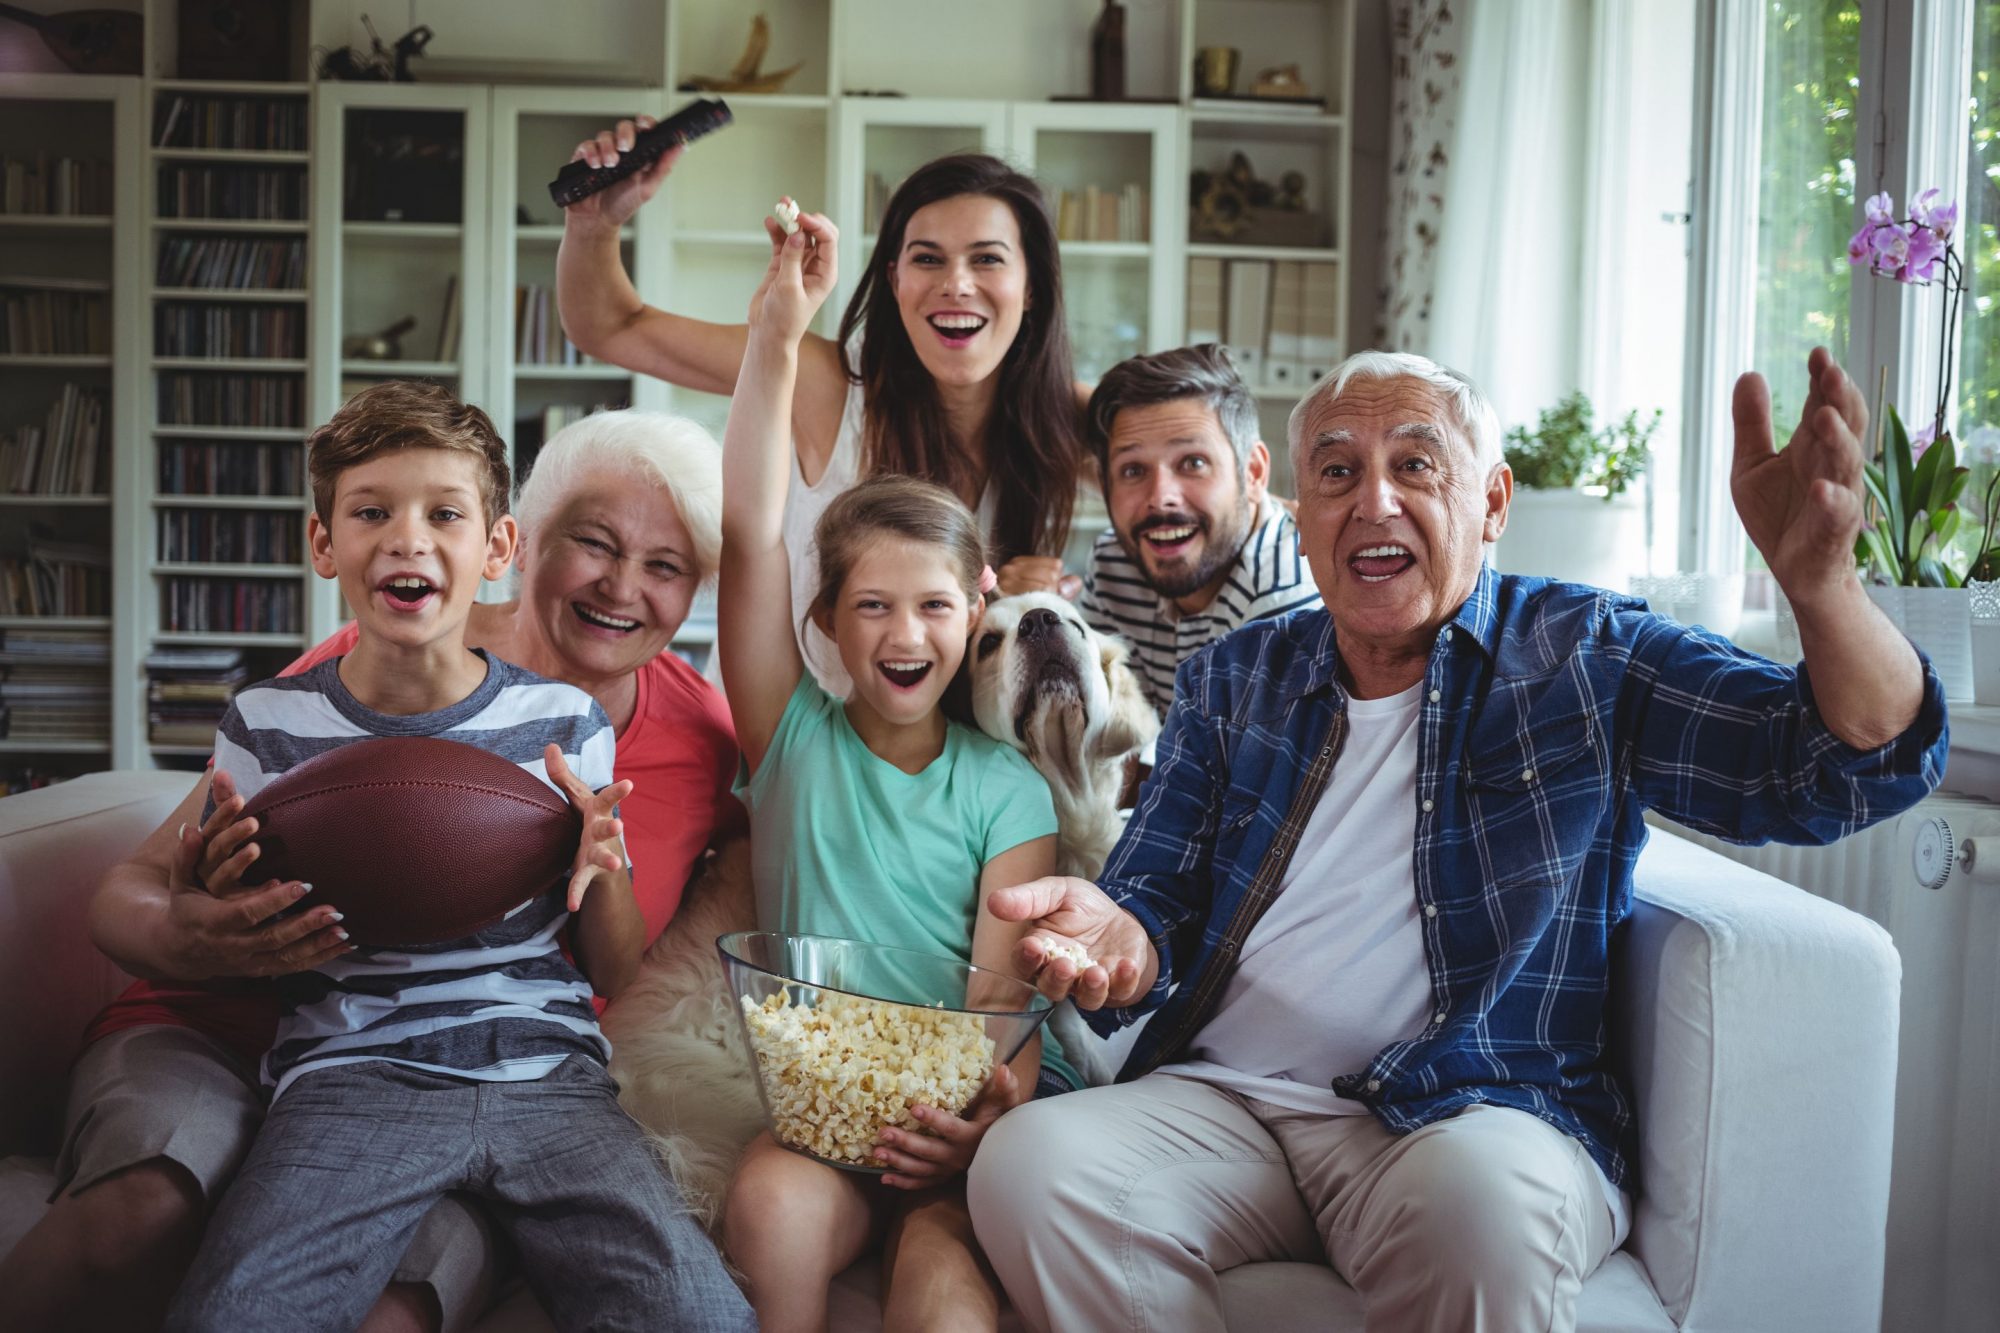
(1075,954)
(787,213)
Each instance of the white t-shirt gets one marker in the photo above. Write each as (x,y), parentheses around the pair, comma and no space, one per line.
(1335,969)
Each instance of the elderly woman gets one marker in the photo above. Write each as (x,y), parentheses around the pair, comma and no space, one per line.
(620,525)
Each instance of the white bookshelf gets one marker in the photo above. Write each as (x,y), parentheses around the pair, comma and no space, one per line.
(90,256)
(698,249)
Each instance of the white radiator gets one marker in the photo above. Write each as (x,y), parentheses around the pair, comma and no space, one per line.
(1944,1203)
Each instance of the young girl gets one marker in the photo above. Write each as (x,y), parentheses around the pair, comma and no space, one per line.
(875,818)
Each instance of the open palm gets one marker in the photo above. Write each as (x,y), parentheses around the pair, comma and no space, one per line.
(1803,506)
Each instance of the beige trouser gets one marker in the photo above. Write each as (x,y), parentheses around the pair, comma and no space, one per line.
(1115,1208)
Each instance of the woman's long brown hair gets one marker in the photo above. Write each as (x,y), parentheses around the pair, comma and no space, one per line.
(1034,441)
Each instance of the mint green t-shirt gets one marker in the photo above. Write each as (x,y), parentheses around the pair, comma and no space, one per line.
(845,843)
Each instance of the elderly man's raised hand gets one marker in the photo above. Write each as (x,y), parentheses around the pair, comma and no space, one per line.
(1062,909)
(1804,506)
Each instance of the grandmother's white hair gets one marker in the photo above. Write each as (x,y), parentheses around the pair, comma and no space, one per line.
(654,448)
(1470,411)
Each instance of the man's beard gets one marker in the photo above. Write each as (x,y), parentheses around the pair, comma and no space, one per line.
(1219,548)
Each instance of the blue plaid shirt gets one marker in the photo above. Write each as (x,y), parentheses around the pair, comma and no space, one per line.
(1554,716)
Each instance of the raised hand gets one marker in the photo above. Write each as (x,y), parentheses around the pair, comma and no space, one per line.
(599,853)
(614,207)
(800,277)
(1065,909)
(1804,506)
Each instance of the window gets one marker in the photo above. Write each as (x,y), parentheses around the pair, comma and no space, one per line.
(1805,189)
(1979,362)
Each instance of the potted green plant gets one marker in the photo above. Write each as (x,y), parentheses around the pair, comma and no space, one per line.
(1576,514)
(1914,482)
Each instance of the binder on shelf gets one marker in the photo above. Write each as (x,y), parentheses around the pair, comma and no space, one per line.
(1204,301)
(1320,341)
(1248,316)
(1284,365)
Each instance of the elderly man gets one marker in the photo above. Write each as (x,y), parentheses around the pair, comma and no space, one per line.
(1369,893)
(1196,547)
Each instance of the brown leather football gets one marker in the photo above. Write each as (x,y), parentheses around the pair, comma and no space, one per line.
(416,840)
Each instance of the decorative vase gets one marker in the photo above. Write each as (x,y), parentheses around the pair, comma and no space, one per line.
(1983,597)
(1564,534)
(1939,621)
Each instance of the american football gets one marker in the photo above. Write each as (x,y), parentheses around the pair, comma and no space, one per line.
(416,840)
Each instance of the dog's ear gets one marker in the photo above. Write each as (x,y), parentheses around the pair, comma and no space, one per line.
(1132,724)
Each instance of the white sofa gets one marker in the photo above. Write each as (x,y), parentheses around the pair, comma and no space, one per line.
(1757,1023)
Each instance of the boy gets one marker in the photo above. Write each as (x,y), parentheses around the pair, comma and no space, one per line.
(475,1065)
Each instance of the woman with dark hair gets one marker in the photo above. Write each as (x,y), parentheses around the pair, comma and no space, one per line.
(953,362)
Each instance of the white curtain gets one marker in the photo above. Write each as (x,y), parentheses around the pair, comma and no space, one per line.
(1511,239)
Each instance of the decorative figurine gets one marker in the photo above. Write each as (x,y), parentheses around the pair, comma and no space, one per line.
(748,74)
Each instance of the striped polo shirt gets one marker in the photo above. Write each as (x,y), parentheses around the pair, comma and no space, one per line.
(1269,578)
(499,1005)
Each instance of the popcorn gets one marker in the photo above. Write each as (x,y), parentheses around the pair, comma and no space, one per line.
(787,213)
(1074,953)
(836,1072)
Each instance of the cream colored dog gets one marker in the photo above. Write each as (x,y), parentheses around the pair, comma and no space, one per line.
(1047,684)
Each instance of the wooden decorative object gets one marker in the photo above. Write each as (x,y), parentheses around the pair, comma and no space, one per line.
(748,74)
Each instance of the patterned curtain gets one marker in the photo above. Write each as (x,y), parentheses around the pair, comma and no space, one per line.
(1426,41)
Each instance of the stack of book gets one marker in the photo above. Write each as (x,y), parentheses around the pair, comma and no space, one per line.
(64,186)
(532,430)
(56,579)
(1093,214)
(538,333)
(69,453)
(206,468)
(188,691)
(55,686)
(46,317)
(233,122)
(231,263)
(196,328)
(268,194)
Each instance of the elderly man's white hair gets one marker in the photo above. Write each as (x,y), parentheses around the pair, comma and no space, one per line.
(652,448)
(1469,409)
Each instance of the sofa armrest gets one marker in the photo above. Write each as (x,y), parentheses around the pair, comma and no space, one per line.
(55,844)
(1758,1024)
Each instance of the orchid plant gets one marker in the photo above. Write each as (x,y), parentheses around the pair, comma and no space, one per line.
(1915,480)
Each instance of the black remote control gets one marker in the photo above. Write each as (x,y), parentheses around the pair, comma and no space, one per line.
(579,180)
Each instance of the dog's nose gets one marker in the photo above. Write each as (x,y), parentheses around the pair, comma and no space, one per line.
(1038,621)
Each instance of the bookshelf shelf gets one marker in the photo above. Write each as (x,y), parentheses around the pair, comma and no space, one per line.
(245,433)
(183,501)
(26,362)
(55,622)
(247,88)
(244,155)
(53,222)
(228,639)
(1304,254)
(198,751)
(400,369)
(268,294)
(438,232)
(260,225)
(228,363)
(78,746)
(531,371)
(223,570)
(1206,112)
(1106,250)
(48,284)
(58,501)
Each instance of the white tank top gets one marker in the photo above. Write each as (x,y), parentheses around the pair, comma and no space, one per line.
(803,506)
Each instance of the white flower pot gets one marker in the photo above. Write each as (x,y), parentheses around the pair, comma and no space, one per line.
(1939,621)
(1983,596)
(1572,536)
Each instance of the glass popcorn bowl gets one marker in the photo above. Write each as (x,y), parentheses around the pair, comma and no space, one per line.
(846,1036)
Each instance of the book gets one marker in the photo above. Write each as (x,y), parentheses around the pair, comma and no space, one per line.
(1247,318)
(1204,301)
(1284,364)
